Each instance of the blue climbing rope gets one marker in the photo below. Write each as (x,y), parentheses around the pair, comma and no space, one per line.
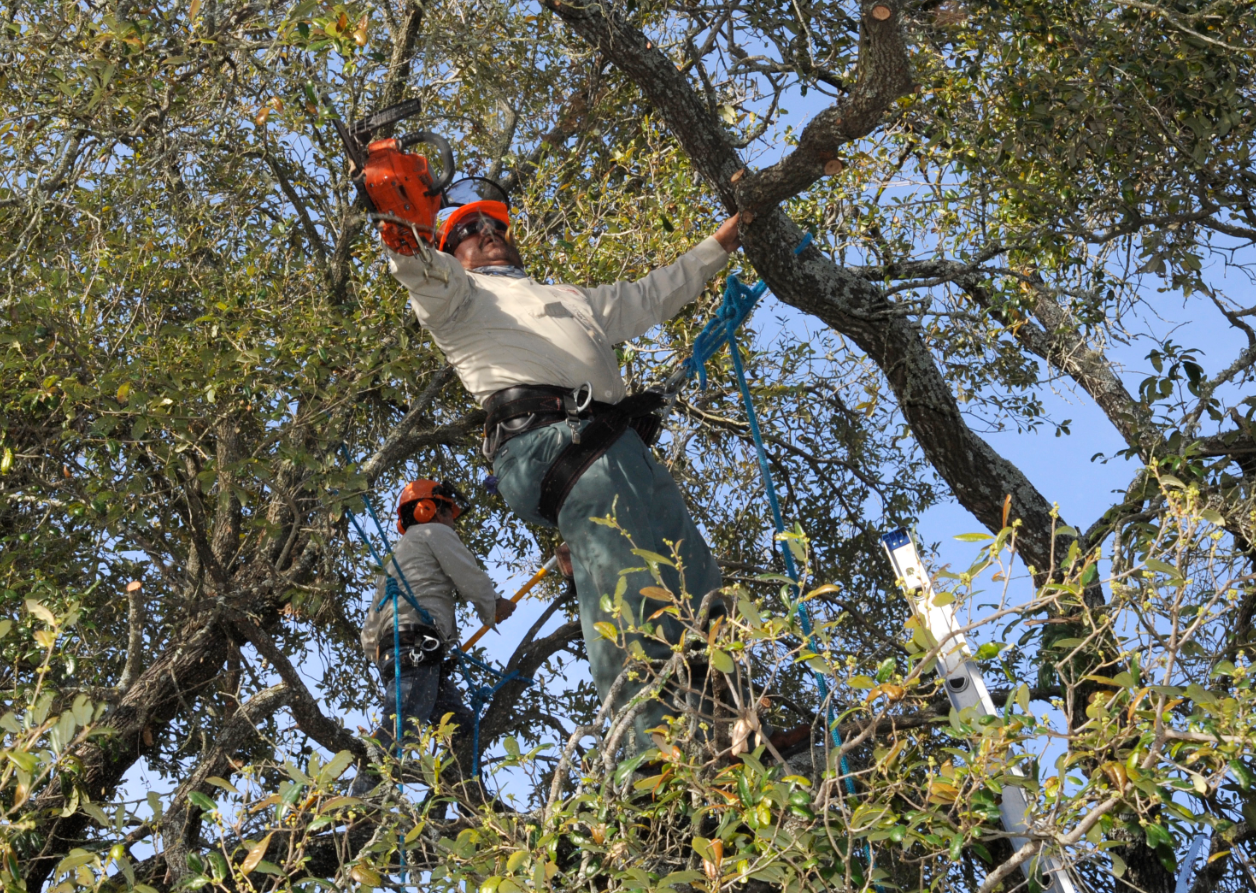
(739,301)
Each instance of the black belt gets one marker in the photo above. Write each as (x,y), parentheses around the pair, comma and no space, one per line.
(524,408)
(420,644)
(535,406)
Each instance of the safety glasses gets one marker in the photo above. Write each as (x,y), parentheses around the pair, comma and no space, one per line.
(473,227)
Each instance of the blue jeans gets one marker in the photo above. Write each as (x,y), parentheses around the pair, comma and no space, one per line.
(426,694)
(629,484)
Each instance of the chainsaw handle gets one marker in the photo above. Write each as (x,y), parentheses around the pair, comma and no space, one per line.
(446,156)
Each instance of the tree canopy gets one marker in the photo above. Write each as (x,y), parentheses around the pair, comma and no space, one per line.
(205,367)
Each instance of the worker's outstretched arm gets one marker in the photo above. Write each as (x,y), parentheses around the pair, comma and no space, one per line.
(472,583)
(629,309)
(438,286)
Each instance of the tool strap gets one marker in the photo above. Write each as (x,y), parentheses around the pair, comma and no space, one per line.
(638,411)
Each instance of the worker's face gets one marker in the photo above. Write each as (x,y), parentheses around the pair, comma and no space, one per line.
(487,248)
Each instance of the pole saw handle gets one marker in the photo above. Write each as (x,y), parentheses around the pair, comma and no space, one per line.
(524,590)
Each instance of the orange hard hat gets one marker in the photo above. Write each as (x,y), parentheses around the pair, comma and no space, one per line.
(493,210)
(468,200)
(426,494)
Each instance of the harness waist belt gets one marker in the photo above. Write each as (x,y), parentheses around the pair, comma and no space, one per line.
(537,406)
(510,403)
(420,644)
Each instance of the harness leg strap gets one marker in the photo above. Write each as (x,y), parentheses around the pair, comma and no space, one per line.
(591,444)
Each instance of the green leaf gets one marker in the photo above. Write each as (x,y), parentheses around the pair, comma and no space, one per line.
(1022,697)
(989,650)
(1201,695)
(885,670)
(745,607)
(1157,836)
(1156,564)
(41,612)
(974,537)
(861,681)
(681,877)
(627,767)
(721,661)
(23,760)
(1242,774)
(336,767)
(606,630)
(221,783)
(202,801)
(653,557)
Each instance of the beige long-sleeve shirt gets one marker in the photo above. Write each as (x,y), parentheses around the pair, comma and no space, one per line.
(440,570)
(499,332)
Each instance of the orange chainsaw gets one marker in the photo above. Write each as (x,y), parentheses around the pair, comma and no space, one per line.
(397,188)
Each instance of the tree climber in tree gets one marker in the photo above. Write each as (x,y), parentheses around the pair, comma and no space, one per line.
(561,434)
(438,568)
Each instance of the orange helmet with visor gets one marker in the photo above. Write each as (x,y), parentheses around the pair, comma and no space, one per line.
(424,496)
(471,204)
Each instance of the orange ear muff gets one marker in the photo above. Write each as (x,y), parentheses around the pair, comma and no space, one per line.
(424,511)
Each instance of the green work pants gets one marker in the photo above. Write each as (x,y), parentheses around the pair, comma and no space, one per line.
(628,484)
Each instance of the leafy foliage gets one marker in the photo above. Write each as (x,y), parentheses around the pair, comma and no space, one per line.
(204,367)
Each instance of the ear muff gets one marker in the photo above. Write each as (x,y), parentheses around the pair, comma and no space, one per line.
(424,511)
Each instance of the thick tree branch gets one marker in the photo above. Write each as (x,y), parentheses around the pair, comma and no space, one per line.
(303,705)
(226,533)
(402,440)
(135,619)
(884,74)
(502,713)
(180,827)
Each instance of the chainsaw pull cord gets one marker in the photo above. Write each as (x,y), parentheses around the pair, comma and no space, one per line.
(739,300)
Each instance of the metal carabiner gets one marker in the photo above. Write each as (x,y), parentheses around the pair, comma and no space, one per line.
(575,395)
(572,406)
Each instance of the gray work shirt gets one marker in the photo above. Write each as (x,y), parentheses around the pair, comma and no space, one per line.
(499,331)
(440,570)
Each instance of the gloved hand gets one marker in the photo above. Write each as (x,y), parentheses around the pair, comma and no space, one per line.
(505,607)
(397,237)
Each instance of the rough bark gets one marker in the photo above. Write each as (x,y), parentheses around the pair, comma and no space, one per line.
(180,827)
(178,676)
(979,477)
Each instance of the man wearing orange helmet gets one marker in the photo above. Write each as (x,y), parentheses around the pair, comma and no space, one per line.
(567,444)
(440,570)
